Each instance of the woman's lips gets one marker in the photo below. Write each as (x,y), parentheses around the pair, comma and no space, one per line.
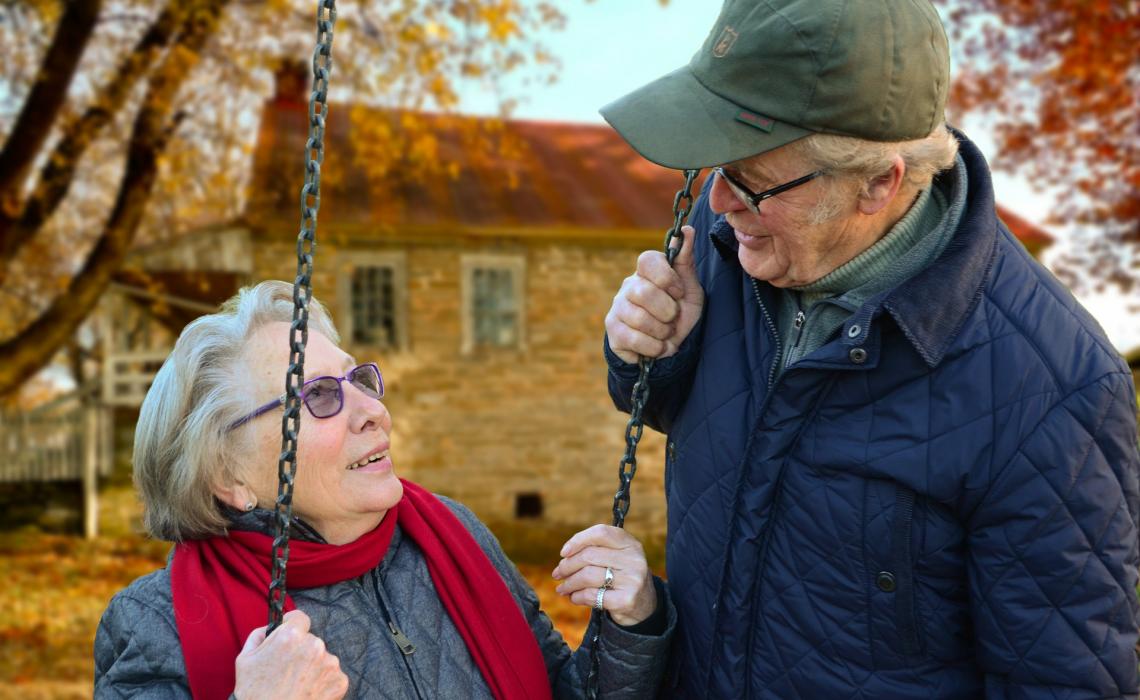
(384,464)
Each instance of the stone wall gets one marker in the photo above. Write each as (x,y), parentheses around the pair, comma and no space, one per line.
(491,425)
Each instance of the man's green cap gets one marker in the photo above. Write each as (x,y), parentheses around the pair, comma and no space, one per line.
(773,71)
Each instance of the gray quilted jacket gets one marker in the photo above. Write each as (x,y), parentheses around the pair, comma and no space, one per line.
(137,651)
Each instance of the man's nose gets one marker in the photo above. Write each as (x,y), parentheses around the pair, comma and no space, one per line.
(722,199)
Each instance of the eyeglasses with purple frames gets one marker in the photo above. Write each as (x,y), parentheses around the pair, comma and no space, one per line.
(324,396)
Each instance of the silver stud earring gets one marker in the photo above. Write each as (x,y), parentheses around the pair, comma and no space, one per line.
(250,505)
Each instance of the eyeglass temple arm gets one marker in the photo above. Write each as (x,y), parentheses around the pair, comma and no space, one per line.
(260,410)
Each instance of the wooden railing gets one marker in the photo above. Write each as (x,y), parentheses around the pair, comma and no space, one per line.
(68,439)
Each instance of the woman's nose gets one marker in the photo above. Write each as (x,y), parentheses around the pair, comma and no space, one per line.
(368,412)
(721,197)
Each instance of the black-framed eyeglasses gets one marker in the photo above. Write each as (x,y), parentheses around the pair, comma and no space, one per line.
(324,396)
(752,199)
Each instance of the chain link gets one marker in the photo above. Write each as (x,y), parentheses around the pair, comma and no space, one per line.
(302,294)
(682,205)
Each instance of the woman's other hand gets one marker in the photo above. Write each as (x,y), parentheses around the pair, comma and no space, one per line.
(631,597)
(291,663)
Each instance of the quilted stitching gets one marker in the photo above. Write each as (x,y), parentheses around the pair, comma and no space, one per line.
(136,645)
(1020,445)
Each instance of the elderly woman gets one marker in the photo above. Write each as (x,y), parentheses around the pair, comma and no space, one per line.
(393,591)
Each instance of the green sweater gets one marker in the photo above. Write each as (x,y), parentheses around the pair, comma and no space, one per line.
(810,315)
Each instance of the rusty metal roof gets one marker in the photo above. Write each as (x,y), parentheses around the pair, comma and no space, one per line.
(560,175)
(563,175)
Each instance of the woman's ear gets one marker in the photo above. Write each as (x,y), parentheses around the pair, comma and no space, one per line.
(882,189)
(236,494)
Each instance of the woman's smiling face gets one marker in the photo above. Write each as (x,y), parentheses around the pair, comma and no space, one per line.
(345,481)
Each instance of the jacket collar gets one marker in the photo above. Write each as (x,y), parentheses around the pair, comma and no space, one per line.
(932,306)
(927,314)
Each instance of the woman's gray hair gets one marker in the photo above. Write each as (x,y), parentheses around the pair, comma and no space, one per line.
(183,444)
(861,161)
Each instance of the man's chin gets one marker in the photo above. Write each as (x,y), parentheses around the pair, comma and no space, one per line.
(759,266)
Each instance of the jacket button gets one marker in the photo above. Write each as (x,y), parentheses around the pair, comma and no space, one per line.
(885,580)
(854,331)
(858,355)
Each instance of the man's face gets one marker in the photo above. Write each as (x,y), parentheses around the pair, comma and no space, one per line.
(786,245)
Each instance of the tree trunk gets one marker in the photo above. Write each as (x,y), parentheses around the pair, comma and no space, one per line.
(33,348)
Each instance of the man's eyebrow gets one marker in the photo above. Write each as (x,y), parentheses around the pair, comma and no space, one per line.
(754,172)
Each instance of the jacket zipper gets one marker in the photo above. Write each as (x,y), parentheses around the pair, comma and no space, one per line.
(779,478)
(775,336)
(407,648)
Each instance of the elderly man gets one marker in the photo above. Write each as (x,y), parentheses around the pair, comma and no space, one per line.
(902,460)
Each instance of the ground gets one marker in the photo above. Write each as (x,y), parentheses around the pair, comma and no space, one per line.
(56,587)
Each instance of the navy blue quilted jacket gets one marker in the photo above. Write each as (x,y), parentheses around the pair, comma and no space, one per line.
(940,502)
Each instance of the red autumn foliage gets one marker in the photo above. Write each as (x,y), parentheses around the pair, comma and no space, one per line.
(1059,81)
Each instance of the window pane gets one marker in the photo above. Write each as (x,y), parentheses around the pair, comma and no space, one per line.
(495,321)
(374,306)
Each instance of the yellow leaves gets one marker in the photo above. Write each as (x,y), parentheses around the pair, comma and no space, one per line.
(499,18)
(55,590)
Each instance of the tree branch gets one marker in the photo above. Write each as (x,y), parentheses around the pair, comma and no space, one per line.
(35,345)
(59,169)
(46,96)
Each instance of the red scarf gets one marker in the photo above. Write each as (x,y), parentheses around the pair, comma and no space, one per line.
(220,587)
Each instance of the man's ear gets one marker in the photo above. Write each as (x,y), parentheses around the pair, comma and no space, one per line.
(881,190)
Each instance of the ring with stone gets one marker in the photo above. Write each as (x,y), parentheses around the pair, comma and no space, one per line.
(609,580)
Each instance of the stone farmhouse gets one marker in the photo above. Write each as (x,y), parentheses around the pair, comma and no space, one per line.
(481,295)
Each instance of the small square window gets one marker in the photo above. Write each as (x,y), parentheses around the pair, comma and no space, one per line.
(374,307)
(372,299)
(528,505)
(493,304)
(495,315)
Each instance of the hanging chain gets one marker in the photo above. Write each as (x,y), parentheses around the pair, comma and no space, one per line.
(302,294)
(682,205)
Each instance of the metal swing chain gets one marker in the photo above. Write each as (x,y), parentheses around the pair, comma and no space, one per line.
(302,294)
(682,205)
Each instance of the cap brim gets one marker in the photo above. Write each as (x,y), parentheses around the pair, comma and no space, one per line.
(675,121)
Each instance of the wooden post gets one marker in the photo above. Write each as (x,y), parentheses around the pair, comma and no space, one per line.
(91,471)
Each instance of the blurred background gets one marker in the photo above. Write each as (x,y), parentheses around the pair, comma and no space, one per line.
(476,218)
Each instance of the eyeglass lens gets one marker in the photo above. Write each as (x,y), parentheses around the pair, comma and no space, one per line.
(367,379)
(325,397)
(743,196)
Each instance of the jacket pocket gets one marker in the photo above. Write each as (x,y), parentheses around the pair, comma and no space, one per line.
(902,564)
(670,463)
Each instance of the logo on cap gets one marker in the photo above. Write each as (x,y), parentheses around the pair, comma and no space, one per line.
(725,42)
(759,121)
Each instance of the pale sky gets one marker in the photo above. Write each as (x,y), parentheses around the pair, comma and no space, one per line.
(610,47)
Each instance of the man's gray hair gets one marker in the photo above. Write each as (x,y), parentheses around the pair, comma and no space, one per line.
(183,444)
(861,161)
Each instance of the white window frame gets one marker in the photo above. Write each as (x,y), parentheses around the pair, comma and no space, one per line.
(469,263)
(347,263)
